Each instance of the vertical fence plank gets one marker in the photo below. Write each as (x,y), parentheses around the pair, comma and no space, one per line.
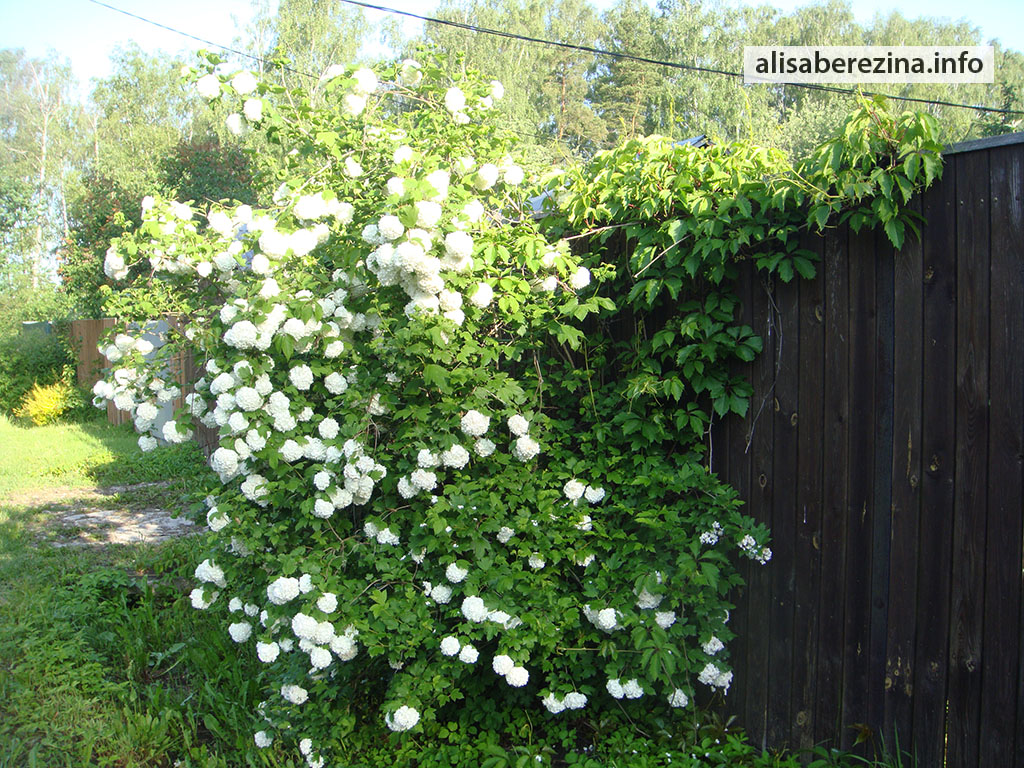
(860,468)
(828,707)
(784,470)
(971,457)
(739,477)
(1000,640)
(905,477)
(807,536)
(91,362)
(761,487)
(881,504)
(938,450)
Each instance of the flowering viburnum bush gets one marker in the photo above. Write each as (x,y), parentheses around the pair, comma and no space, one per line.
(422,498)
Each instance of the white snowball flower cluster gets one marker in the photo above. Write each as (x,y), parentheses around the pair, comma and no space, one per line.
(282,590)
(473,609)
(714,677)
(209,572)
(455,457)
(262,739)
(455,574)
(605,619)
(474,423)
(571,700)
(240,631)
(114,265)
(202,598)
(518,425)
(678,699)
(710,537)
(631,689)
(646,601)
(403,719)
(517,677)
(665,619)
(712,646)
(748,545)
(502,664)
(525,448)
(294,694)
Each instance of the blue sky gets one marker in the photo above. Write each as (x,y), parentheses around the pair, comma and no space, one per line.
(86,33)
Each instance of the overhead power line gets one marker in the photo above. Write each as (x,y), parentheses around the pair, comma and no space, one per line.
(176,31)
(559,44)
(660,62)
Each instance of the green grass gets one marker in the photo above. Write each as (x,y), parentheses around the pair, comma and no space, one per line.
(84,454)
(103,660)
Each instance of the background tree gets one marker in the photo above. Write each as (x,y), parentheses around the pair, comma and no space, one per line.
(311,34)
(37,133)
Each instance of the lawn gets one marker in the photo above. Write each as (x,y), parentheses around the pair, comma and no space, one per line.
(81,455)
(103,660)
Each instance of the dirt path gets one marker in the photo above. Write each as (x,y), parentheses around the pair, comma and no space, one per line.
(121,514)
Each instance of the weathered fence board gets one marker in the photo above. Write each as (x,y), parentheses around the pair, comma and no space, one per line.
(1006,442)
(938,438)
(889,461)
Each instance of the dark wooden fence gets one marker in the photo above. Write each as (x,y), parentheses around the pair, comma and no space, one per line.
(884,448)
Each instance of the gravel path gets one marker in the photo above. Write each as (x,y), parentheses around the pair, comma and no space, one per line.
(122,514)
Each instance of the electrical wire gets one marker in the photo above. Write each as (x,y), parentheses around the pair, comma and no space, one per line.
(660,62)
(569,46)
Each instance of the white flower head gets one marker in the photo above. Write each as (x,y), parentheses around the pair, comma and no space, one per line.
(502,664)
(235,124)
(573,490)
(473,608)
(517,677)
(262,739)
(403,719)
(525,448)
(713,646)
(483,295)
(450,646)
(580,279)
(244,82)
(208,86)
(518,425)
(253,110)
(454,99)
(678,698)
(366,81)
(474,423)
(486,176)
(454,574)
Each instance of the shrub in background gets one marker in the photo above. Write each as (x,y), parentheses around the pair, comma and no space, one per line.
(45,405)
(31,357)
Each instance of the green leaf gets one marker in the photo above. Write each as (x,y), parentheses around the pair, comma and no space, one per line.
(435,375)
